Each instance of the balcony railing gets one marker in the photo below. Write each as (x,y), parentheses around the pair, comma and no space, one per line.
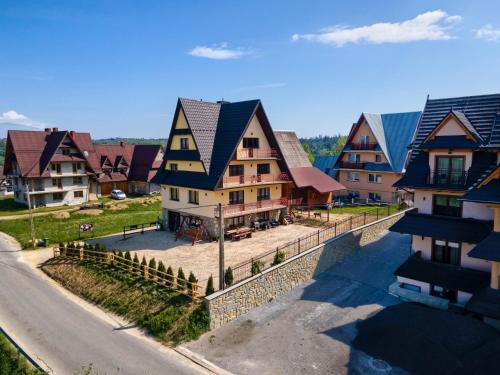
(352,165)
(246,208)
(256,153)
(363,146)
(254,179)
(447,177)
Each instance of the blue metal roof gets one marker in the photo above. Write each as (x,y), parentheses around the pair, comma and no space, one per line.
(325,163)
(394,133)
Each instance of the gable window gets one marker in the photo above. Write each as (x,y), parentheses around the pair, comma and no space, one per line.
(263,168)
(174,194)
(449,170)
(76,167)
(57,182)
(194,197)
(78,180)
(236,170)
(66,151)
(56,167)
(354,158)
(78,194)
(173,167)
(375,178)
(447,206)
(184,143)
(365,139)
(237,197)
(250,142)
(446,252)
(353,176)
(57,196)
(263,194)
(378,158)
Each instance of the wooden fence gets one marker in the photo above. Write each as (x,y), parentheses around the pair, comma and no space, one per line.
(163,279)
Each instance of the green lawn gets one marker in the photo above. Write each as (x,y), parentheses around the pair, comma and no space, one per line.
(8,207)
(11,362)
(360,209)
(65,230)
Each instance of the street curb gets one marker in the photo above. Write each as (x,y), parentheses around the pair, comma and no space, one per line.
(201,361)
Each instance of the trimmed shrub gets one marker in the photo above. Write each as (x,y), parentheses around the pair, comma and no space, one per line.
(161,271)
(144,264)
(228,277)
(210,286)
(181,279)
(192,280)
(136,266)
(257,267)
(170,276)
(119,254)
(279,258)
(152,267)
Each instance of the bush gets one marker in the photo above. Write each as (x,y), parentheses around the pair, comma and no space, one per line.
(279,258)
(210,286)
(181,279)
(192,281)
(135,265)
(152,267)
(257,267)
(228,277)
(161,271)
(170,276)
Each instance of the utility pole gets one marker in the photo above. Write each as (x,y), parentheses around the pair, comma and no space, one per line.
(32,224)
(221,247)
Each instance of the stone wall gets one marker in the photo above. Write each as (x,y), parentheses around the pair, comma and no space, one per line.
(239,299)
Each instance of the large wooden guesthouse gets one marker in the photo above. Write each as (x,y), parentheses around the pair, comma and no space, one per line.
(221,153)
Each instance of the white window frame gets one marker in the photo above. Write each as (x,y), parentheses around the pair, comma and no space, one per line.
(351,176)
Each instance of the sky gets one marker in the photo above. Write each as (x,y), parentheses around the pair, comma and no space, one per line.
(116,68)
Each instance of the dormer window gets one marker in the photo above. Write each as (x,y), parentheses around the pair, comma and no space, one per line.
(184,143)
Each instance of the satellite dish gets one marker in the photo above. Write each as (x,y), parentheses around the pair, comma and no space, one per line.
(86,154)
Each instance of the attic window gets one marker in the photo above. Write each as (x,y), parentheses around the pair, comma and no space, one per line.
(250,142)
(184,143)
(65,151)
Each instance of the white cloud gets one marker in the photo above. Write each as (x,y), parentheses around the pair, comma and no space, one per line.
(435,25)
(487,32)
(218,52)
(13,117)
(263,86)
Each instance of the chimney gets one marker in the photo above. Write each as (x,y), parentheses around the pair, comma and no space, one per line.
(72,133)
(47,130)
(55,130)
(122,143)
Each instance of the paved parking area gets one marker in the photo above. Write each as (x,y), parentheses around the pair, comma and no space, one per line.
(202,258)
(345,322)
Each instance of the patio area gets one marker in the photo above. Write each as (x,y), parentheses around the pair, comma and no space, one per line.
(202,258)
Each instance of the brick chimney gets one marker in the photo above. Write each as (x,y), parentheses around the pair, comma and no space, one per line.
(72,133)
(122,143)
(55,130)
(48,130)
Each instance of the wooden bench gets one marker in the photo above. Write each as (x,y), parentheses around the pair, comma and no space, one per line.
(242,233)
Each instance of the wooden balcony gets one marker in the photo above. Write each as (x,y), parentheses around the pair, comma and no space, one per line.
(248,208)
(363,146)
(352,165)
(243,180)
(256,153)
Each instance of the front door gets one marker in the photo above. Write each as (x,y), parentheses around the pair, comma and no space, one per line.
(173,221)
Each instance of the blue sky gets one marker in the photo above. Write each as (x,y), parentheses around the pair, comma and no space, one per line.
(116,68)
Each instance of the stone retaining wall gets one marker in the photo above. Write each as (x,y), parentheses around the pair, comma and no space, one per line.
(225,306)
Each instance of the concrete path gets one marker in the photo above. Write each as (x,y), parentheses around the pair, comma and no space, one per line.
(291,335)
(64,333)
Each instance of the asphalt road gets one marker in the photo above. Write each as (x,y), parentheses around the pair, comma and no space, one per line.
(67,337)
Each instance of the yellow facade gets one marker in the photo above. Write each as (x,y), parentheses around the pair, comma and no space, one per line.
(186,165)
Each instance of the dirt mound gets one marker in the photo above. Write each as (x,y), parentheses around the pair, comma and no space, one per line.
(92,212)
(61,215)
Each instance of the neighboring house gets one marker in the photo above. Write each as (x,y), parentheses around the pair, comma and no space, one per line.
(311,187)
(127,167)
(65,167)
(375,155)
(5,184)
(55,166)
(455,173)
(221,153)
(326,164)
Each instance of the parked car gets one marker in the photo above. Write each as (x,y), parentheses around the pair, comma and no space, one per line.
(117,194)
(261,224)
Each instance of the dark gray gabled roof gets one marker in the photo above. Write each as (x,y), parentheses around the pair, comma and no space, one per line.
(480,111)
(202,118)
(488,249)
(465,122)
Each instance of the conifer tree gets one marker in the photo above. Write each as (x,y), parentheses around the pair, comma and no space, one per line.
(228,277)
(152,267)
(210,286)
(136,266)
(181,279)
(170,276)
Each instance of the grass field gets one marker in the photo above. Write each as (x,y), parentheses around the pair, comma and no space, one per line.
(165,314)
(11,362)
(66,229)
(8,207)
(359,209)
